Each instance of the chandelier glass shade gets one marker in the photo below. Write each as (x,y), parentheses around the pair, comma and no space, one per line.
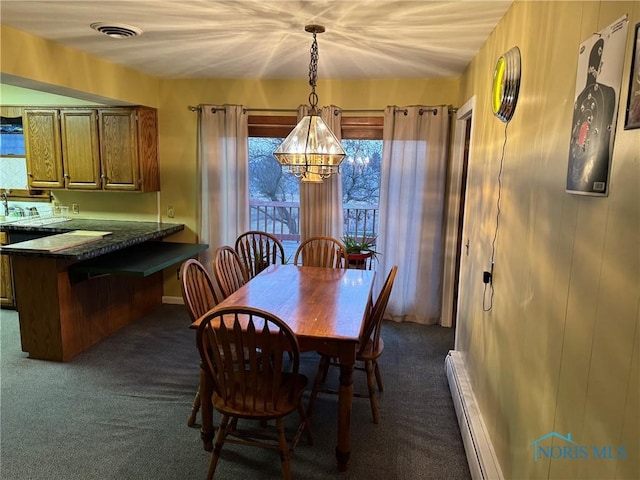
(311,151)
(311,147)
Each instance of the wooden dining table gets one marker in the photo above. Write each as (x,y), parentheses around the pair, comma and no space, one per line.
(325,308)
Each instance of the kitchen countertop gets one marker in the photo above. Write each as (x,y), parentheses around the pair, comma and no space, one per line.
(124,234)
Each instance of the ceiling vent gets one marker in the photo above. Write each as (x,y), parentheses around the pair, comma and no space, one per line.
(116,30)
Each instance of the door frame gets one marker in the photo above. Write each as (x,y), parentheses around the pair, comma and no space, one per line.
(455,212)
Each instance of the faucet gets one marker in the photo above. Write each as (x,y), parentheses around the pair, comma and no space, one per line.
(5,203)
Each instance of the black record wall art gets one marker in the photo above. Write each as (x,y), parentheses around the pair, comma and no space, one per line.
(595,110)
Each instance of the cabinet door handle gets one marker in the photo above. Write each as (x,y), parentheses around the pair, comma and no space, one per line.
(66,175)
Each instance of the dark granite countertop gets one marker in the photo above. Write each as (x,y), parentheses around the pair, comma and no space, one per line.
(125,234)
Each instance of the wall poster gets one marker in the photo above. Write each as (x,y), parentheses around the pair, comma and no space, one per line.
(595,110)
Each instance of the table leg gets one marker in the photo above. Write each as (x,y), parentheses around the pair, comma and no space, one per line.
(206,410)
(345,403)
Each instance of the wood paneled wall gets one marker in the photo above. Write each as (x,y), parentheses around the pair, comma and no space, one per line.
(559,350)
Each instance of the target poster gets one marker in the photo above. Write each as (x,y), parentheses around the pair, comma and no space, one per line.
(595,110)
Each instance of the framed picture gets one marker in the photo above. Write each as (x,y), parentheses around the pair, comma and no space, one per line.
(632,120)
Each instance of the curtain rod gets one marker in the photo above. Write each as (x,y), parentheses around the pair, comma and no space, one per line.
(293,110)
(421,111)
(279,110)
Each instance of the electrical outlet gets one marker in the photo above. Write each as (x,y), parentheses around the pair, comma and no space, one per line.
(75,208)
(170,211)
(487,277)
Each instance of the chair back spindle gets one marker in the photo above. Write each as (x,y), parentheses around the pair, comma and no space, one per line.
(322,251)
(244,350)
(258,250)
(198,292)
(228,270)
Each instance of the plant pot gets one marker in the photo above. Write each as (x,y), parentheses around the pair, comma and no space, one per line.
(359,260)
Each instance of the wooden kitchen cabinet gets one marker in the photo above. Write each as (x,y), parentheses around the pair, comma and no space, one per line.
(43,148)
(6,278)
(80,149)
(112,148)
(129,149)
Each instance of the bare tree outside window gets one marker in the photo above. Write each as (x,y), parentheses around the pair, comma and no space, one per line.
(267,180)
(361,186)
(275,194)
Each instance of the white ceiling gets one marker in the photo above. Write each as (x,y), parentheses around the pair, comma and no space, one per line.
(266,38)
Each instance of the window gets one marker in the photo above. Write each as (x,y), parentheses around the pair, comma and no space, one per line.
(274,194)
(13,163)
(11,137)
(362,141)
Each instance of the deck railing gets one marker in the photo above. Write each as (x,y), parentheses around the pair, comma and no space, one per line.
(278,218)
(283,219)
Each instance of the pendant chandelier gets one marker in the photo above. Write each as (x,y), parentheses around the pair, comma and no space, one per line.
(311,152)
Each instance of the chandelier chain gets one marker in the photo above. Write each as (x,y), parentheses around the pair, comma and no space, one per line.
(313,74)
(311,151)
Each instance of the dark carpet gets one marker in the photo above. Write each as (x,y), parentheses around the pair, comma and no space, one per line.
(119,409)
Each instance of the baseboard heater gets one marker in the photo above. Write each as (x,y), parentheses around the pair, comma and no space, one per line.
(481,456)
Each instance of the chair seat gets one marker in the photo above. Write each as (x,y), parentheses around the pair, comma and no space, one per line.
(369,353)
(256,407)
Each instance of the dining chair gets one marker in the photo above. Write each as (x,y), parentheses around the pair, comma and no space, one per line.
(199,296)
(247,387)
(321,251)
(370,347)
(258,250)
(228,270)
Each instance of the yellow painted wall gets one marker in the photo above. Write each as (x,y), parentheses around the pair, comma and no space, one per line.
(12,95)
(559,350)
(35,59)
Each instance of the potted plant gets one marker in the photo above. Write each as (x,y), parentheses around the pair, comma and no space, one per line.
(360,250)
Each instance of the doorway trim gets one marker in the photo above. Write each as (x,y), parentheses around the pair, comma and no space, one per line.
(454,209)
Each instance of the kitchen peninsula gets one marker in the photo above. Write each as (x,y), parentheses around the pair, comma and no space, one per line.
(68,299)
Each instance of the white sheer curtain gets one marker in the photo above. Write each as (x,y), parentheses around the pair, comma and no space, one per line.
(321,211)
(411,210)
(224,176)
